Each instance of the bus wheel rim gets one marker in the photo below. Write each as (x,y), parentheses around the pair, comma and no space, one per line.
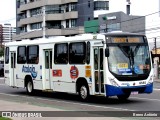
(83,92)
(30,87)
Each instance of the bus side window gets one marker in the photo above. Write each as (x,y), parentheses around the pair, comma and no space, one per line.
(61,53)
(7,55)
(21,57)
(77,53)
(32,54)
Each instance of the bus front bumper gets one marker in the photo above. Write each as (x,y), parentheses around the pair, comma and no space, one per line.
(113,90)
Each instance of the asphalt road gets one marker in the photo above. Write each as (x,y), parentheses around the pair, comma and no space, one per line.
(64,101)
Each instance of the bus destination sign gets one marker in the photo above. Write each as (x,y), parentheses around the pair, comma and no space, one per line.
(127,40)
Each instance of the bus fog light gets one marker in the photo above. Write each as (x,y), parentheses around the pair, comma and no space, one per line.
(113,82)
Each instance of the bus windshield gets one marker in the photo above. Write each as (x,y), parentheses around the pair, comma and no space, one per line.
(129,59)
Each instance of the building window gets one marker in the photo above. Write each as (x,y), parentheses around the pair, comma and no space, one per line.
(73,22)
(101,5)
(36,26)
(73,7)
(67,7)
(113,27)
(22,2)
(32,54)
(23,29)
(23,15)
(61,53)
(21,57)
(36,11)
(53,9)
(7,55)
(77,53)
(67,23)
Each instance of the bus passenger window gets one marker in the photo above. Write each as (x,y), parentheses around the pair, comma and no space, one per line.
(77,53)
(33,54)
(7,55)
(61,53)
(21,57)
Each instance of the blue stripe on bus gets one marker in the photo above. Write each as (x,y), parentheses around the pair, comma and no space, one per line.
(113,90)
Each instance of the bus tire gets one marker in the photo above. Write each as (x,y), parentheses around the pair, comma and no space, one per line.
(29,87)
(83,92)
(123,97)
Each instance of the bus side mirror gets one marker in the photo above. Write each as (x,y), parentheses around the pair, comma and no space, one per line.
(107,52)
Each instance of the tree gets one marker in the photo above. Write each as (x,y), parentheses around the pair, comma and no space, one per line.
(1,51)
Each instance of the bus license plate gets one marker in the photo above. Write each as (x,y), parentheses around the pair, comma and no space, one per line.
(134,93)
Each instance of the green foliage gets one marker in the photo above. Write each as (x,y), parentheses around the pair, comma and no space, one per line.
(4,118)
(1,51)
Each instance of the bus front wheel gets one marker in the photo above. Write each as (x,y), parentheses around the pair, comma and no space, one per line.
(29,87)
(83,92)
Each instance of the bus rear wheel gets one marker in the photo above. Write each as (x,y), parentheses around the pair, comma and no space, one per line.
(123,97)
(29,87)
(83,92)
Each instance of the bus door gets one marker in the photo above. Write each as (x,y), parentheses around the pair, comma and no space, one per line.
(48,68)
(12,69)
(98,70)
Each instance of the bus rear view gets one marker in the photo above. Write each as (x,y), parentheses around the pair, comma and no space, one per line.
(129,65)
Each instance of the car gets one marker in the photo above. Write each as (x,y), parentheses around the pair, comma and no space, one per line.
(1,68)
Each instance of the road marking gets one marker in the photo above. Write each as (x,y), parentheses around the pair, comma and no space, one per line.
(82,104)
(156,89)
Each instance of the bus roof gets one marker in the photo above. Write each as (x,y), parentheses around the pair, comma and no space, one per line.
(81,37)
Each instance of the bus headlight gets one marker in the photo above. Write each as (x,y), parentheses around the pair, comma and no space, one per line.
(150,80)
(113,82)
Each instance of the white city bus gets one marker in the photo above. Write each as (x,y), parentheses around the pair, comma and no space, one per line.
(111,64)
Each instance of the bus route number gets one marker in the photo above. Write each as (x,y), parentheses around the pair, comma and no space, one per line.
(122,65)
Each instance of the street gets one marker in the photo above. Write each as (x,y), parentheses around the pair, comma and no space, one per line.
(69,102)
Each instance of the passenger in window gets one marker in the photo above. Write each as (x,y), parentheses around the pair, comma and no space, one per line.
(37,60)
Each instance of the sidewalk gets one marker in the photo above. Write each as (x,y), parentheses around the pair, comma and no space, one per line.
(20,107)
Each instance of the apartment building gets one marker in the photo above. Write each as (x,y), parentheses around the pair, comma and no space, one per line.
(1,34)
(6,33)
(45,18)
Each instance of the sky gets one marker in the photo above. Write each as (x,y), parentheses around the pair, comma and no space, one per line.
(138,7)
(8,12)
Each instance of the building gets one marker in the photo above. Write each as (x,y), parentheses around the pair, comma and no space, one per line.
(1,34)
(119,21)
(6,33)
(44,18)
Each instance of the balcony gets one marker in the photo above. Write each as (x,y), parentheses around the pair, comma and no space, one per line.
(49,32)
(30,20)
(40,3)
(57,16)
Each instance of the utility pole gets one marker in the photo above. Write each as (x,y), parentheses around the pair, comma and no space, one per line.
(44,22)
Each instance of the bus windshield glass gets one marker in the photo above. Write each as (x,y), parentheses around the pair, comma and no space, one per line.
(129,59)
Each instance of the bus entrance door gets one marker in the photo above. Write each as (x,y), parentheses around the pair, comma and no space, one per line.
(48,68)
(12,70)
(98,70)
